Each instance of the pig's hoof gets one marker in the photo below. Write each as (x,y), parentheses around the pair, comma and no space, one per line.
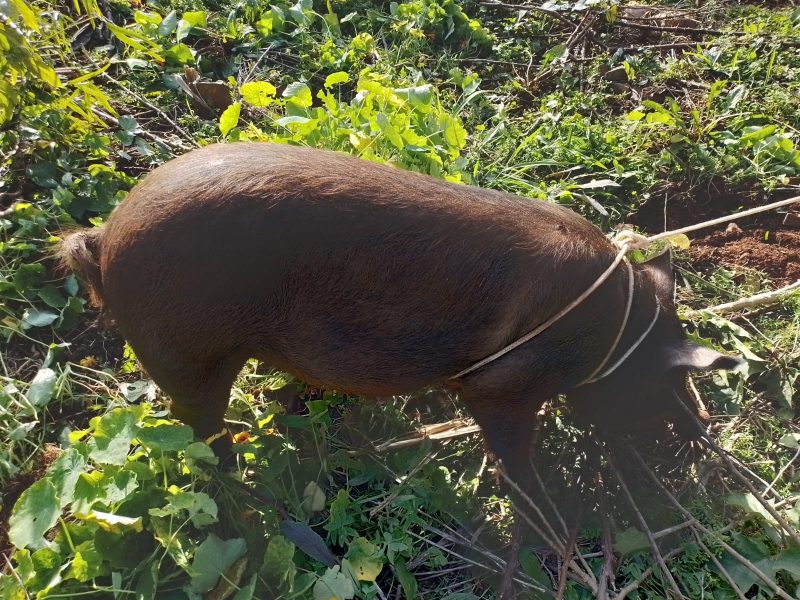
(222,445)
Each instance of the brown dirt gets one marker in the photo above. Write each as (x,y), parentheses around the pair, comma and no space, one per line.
(89,339)
(768,243)
(773,252)
(13,488)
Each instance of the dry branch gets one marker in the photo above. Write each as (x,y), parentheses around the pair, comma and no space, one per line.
(643,524)
(719,566)
(634,585)
(533,8)
(718,538)
(762,299)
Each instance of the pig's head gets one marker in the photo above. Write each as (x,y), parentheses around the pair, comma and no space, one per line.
(646,391)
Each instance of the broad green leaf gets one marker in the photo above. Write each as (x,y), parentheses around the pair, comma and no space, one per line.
(196,18)
(64,474)
(660,118)
(598,183)
(167,26)
(258,93)
(407,580)
(454,133)
(278,567)
(758,133)
(71,285)
(87,563)
(364,560)
(166,437)
(246,592)
(554,53)
(750,505)
(113,523)
(212,558)
(147,583)
(113,434)
(38,318)
(334,585)
(336,78)
(789,561)
(52,296)
(635,115)
(179,53)
(389,131)
(34,514)
(199,506)
(188,21)
(229,118)
(418,96)
(309,541)
(790,440)
(630,541)
(200,458)
(42,387)
(23,10)
(284,121)
(679,241)
(313,497)
(532,567)
(143,17)
(128,123)
(298,93)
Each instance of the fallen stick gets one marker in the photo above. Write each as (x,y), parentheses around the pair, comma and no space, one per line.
(715,535)
(762,299)
(654,549)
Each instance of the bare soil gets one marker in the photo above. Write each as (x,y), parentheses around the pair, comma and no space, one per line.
(768,243)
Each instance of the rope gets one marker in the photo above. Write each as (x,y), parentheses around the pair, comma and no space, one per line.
(544,326)
(628,305)
(625,356)
(625,240)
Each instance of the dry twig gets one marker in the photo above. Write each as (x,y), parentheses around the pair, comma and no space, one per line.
(717,537)
(762,299)
(643,524)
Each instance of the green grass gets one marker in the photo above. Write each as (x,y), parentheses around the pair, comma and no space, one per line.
(123,502)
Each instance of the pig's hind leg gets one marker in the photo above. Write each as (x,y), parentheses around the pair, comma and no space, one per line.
(198,386)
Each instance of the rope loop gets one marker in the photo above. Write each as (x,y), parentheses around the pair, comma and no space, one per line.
(625,241)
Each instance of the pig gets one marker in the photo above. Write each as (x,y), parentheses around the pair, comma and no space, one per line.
(374,281)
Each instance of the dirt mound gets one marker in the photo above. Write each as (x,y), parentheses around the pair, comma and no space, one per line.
(769,242)
(774,252)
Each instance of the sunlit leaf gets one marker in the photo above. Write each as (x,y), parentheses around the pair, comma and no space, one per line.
(34,514)
(336,78)
(258,93)
(299,93)
(42,387)
(229,118)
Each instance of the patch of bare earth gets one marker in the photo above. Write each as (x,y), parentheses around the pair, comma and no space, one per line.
(768,243)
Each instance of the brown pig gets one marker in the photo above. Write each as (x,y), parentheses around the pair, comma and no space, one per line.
(371,280)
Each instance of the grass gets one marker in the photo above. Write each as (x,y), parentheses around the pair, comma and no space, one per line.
(342,501)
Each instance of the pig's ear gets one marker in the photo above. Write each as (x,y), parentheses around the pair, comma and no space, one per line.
(660,270)
(699,358)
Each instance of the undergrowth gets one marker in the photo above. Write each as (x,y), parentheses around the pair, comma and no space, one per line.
(104,495)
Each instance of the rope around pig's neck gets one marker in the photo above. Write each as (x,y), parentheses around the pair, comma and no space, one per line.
(625,240)
(620,257)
